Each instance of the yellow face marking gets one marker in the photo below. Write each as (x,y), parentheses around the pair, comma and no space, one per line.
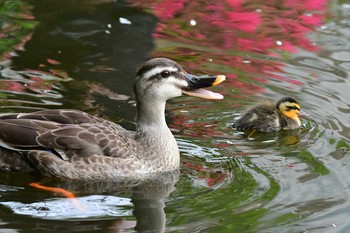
(291,110)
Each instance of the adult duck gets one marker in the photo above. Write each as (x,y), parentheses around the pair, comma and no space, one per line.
(72,144)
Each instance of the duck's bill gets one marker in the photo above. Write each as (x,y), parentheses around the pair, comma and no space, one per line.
(197,83)
(303,113)
(205,94)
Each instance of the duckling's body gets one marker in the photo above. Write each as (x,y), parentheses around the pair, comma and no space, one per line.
(75,145)
(284,115)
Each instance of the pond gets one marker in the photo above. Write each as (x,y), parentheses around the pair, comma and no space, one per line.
(84,54)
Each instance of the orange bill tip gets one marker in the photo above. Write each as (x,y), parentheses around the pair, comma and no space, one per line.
(219,79)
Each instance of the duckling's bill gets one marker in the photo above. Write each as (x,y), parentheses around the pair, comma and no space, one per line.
(303,113)
(206,94)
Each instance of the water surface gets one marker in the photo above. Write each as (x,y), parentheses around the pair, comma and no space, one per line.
(83,55)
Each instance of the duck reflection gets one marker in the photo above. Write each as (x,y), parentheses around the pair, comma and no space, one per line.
(111,202)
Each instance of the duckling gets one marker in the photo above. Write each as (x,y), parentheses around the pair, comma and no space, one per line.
(71,144)
(284,115)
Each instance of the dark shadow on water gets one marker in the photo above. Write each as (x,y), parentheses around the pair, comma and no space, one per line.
(97,45)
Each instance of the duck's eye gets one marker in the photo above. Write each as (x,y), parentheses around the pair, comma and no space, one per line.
(165,74)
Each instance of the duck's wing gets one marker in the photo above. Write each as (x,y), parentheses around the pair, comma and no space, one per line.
(87,139)
(65,133)
(62,116)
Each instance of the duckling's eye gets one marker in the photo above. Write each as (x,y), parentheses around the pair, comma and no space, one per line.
(165,74)
(292,107)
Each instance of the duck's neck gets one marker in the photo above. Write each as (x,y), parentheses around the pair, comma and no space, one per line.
(150,115)
(156,141)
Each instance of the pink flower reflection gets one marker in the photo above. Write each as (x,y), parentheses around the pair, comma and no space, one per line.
(205,176)
(242,37)
(165,9)
(244,21)
(319,5)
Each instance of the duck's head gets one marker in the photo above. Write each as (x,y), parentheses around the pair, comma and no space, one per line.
(289,107)
(162,79)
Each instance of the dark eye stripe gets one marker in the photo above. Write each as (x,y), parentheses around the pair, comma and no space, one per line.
(163,74)
(293,107)
(157,71)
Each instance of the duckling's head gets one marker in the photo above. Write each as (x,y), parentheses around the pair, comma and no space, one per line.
(162,79)
(289,107)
